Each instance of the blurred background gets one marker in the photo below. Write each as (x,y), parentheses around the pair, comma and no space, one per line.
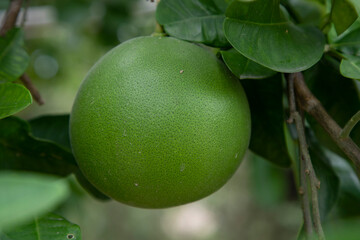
(64,39)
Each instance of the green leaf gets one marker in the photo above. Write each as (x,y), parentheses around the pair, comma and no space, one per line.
(54,128)
(243,67)
(338,95)
(275,189)
(306,11)
(349,41)
(13,58)
(13,98)
(344,229)
(343,15)
(24,195)
(350,67)
(267,126)
(260,31)
(91,189)
(21,151)
(349,185)
(330,183)
(194,20)
(49,227)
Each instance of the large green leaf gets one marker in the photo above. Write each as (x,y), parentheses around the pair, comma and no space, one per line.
(260,31)
(13,98)
(54,128)
(243,67)
(21,151)
(343,15)
(13,58)
(337,94)
(267,127)
(49,227)
(350,67)
(194,20)
(25,195)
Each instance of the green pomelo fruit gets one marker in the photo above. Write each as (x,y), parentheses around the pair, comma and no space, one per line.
(159,122)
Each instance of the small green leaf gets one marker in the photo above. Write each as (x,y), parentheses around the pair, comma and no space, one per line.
(243,67)
(49,227)
(13,98)
(13,58)
(343,15)
(194,20)
(54,128)
(260,31)
(267,127)
(24,195)
(349,41)
(350,67)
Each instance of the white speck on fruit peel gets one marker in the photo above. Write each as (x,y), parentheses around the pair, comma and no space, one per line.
(182,167)
(236,155)
(136,184)
(181,71)
(124,134)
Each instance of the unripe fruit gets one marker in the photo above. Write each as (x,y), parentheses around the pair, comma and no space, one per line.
(159,122)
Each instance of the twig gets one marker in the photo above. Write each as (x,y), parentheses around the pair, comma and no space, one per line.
(12,14)
(34,92)
(312,105)
(350,125)
(24,16)
(306,169)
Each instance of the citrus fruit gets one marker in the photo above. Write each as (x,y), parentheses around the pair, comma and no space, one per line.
(159,122)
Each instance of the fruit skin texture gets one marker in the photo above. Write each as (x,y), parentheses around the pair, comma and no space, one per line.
(159,122)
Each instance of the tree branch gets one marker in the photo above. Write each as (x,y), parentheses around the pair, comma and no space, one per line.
(11,16)
(306,170)
(312,105)
(34,92)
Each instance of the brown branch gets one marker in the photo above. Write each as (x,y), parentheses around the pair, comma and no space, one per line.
(307,173)
(312,105)
(11,16)
(34,92)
